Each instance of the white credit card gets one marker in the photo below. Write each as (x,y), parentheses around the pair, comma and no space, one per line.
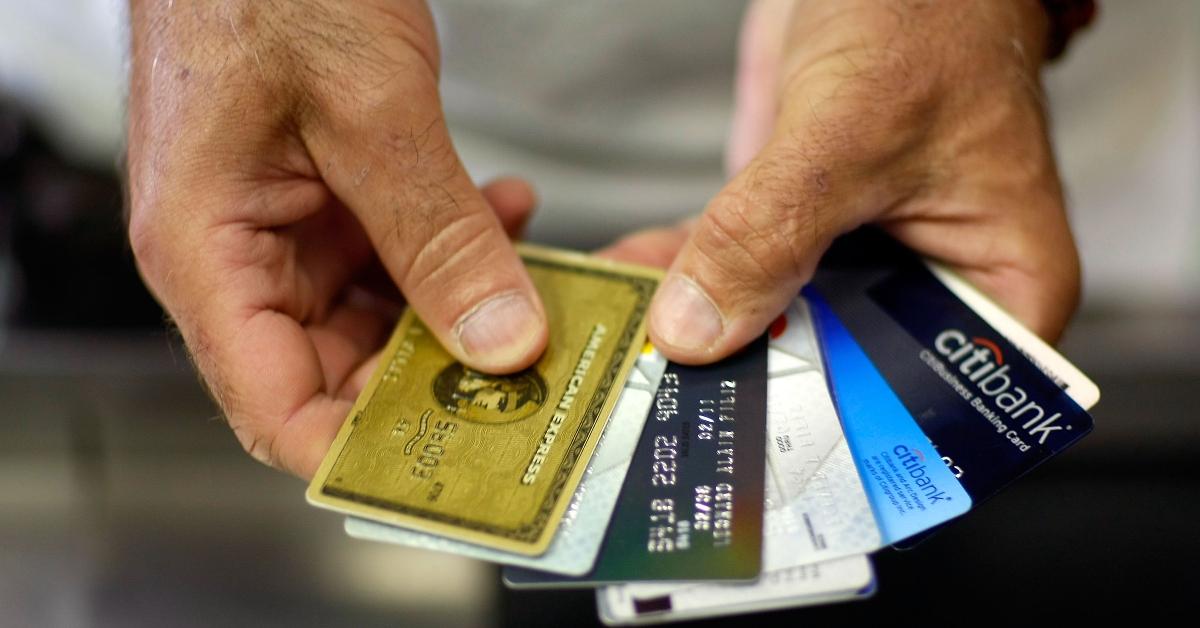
(577,541)
(805,585)
(817,509)
(818,523)
(1082,389)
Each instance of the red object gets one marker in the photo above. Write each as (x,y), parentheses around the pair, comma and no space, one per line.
(778,326)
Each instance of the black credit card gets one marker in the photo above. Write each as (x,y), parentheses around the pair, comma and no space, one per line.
(691,506)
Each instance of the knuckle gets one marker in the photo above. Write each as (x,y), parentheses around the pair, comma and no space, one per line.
(774,223)
(456,260)
(143,240)
(734,240)
(423,148)
(796,192)
(146,244)
(413,148)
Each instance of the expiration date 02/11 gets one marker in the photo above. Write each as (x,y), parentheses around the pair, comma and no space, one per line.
(712,503)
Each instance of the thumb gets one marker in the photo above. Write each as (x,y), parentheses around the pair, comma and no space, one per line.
(754,247)
(440,242)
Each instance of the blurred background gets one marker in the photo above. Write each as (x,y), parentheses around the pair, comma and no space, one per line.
(126,501)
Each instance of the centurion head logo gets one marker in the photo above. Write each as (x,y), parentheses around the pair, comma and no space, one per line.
(982,362)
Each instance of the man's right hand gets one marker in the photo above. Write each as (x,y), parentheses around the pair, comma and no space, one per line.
(278,153)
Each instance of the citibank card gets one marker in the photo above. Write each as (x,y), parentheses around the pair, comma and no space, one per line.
(691,507)
(944,398)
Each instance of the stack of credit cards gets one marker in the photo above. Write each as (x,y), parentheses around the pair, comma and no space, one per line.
(889,398)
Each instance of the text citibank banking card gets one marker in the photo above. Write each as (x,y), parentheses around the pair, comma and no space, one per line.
(944,398)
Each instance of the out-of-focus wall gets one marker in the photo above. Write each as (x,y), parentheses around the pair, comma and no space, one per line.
(65,61)
(1126,113)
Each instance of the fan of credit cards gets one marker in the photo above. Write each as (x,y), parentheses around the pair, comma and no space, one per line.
(888,399)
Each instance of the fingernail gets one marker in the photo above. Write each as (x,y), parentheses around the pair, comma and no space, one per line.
(684,316)
(500,330)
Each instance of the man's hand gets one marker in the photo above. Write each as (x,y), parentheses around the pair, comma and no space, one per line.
(282,155)
(923,117)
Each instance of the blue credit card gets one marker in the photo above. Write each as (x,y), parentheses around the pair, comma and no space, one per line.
(940,410)
(691,506)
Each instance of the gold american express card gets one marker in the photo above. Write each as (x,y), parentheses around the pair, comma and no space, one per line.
(492,460)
